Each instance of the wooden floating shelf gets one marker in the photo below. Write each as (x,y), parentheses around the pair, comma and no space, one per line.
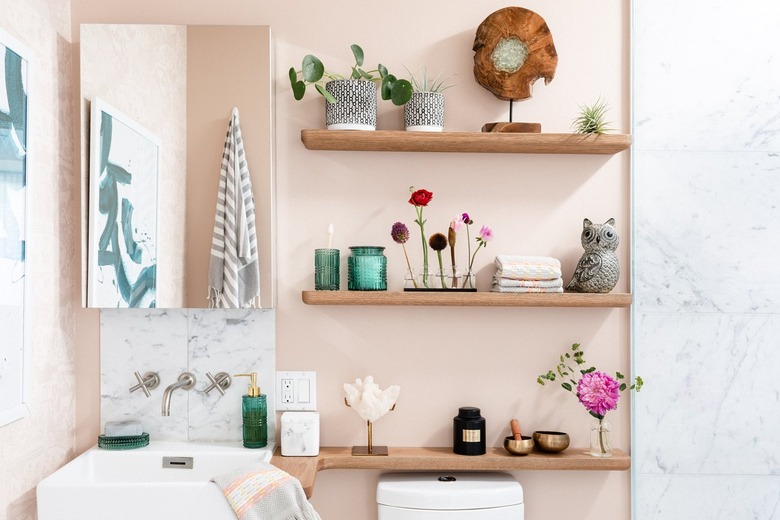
(443,459)
(473,142)
(477,299)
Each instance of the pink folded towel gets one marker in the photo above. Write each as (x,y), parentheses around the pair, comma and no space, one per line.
(527,267)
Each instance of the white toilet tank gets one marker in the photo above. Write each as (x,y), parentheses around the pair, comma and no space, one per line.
(449,496)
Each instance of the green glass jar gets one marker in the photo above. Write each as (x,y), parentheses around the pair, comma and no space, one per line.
(367,269)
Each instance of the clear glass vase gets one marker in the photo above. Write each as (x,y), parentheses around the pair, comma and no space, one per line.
(600,438)
(469,280)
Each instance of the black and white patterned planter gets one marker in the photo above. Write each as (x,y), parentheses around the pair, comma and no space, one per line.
(425,112)
(355,107)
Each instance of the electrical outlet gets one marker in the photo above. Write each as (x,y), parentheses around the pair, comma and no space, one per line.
(296,391)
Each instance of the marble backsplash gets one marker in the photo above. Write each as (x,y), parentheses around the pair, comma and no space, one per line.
(172,341)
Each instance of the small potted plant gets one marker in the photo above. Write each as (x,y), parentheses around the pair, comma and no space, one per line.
(425,110)
(350,101)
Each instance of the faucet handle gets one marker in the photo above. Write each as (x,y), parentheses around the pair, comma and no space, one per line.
(221,382)
(149,381)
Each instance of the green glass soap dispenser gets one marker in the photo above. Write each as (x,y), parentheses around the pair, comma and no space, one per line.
(254,411)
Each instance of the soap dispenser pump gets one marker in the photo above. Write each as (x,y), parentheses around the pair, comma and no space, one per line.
(254,412)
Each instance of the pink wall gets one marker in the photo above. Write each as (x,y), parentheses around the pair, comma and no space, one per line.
(38,444)
(441,357)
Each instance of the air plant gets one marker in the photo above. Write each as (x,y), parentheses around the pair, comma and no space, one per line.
(400,234)
(425,84)
(591,119)
(438,243)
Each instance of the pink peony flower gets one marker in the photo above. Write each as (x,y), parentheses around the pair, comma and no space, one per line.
(598,392)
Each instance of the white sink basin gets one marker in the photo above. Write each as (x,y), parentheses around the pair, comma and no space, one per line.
(101,484)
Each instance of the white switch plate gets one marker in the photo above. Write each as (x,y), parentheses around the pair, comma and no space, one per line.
(296,391)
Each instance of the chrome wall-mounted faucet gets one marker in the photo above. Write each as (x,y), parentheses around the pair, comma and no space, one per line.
(149,381)
(186,381)
(221,382)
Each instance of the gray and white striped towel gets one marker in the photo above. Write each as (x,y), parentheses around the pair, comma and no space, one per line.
(234,273)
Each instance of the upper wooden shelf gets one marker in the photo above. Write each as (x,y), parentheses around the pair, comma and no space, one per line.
(474,142)
(443,459)
(473,299)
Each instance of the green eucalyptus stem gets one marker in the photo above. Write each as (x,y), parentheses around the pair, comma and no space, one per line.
(441,270)
(420,222)
(601,436)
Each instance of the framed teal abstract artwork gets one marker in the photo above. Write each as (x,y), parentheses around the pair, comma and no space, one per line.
(15,359)
(123,193)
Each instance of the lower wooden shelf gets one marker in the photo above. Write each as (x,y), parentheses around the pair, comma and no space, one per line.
(475,299)
(443,459)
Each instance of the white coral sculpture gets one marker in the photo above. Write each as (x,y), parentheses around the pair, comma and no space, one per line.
(368,400)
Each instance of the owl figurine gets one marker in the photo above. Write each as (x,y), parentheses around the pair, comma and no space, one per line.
(598,270)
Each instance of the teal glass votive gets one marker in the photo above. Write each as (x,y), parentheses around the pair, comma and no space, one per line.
(326,269)
(367,269)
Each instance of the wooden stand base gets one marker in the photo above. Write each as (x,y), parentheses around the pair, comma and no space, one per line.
(363,451)
(518,128)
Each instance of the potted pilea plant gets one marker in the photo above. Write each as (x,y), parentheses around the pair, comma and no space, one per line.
(425,110)
(350,102)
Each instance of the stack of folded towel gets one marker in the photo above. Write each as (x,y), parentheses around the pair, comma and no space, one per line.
(527,274)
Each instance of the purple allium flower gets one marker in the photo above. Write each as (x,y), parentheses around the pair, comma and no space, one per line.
(400,233)
(598,392)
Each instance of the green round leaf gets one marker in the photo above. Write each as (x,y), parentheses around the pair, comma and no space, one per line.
(327,95)
(299,89)
(402,92)
(358,53)
(382,71)
(293,76)
(313,69)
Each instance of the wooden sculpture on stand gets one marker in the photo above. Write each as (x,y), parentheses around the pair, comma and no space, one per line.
(513,48)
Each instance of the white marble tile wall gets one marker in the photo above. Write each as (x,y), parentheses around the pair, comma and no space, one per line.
(707,238)
(172,341)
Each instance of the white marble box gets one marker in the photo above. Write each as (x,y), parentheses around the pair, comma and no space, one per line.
(300,434)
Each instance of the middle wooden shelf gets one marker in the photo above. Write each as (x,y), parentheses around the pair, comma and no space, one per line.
(464,299)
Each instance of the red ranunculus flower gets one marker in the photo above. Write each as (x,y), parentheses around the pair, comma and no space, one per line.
(420,198)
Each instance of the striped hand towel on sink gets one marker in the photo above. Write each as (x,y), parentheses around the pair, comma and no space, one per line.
(264,492)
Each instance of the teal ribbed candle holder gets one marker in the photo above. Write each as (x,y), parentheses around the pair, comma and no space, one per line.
(367,269)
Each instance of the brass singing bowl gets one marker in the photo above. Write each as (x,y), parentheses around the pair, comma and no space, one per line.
(551,442)
(521,447)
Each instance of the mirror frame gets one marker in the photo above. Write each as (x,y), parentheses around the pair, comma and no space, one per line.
(22,409)
(256,91)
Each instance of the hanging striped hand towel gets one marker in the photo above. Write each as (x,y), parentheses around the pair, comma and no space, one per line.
(234,273)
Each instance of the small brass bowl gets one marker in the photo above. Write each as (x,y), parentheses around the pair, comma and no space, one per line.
(522,447)
(551,442)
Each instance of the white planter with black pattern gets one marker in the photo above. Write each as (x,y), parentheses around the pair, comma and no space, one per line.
(425,112)
(355,107)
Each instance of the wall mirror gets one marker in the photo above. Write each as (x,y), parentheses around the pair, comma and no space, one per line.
(14,169)
(180,83)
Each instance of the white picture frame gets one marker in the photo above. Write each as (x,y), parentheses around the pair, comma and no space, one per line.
(15,347)
(124,173)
